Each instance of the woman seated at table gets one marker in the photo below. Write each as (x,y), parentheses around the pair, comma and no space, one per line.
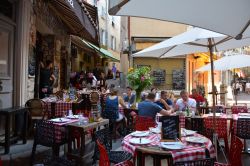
(112,105)
(150,109)
(129,97)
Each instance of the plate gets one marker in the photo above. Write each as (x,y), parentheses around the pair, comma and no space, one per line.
(200,140)
(140,133)
(172,145)
(155,130)
(73,116)
(59,120)
(185,132)
(140,141)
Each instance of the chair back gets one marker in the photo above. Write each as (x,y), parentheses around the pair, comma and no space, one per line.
(235,151)
(220,126)
(201,162)
(59,94)
(94,97)
(239,109)
(243,128)
(45,133)
(104,158)
(36,107)
(104,137)
(143,123)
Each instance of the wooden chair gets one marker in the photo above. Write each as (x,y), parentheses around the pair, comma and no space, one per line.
(37,110)
(201,162)
(144,123)
(103,137)
(104,157)
(220,128)
(59,94)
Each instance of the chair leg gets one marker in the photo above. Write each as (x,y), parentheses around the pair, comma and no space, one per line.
(33,154)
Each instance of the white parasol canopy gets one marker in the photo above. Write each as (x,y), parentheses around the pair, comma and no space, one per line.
(192,41)
(228,62)
(230,17)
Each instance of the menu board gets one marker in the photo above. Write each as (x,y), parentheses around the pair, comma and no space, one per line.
(159,76)
(178,79)
(170,128)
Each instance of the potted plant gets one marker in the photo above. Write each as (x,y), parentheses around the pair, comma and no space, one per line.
(139,79)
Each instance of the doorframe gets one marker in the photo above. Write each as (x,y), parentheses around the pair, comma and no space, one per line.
(23,9)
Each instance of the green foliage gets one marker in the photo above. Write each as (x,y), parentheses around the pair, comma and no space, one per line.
(139,78)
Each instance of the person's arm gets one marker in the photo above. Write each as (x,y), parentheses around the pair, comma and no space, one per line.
(121,102)
(166,112)
(165,104)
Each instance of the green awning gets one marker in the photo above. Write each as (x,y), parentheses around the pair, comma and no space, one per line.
(102,51)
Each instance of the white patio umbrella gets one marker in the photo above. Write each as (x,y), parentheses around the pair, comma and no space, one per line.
(193,41)
(230,17)
(228,62)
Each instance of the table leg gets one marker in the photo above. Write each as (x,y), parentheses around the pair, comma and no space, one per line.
(156,160)
(139,158)
(7,134)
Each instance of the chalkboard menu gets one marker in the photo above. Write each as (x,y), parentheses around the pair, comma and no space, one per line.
(178,79)
(159,76)
(170,128)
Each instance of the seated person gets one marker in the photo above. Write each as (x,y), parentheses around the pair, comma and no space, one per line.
(150,109)
(164,102)
(195,95)
(112,104)
(129,98)
(184,102)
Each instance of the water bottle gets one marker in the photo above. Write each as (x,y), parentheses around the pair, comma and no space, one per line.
(81,119)
(187,111)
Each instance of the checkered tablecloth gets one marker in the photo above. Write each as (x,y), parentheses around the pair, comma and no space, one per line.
(190,152)
(60,131)
(61,107)
(182,121)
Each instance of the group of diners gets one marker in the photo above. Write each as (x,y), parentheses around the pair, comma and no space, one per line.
(151,105)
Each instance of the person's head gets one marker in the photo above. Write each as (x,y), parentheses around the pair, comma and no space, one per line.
(184,95)
(103,89)
(164,95)
(129,91)
(114,92)
(49,64)
(194,92)
(153,90)
(151,96)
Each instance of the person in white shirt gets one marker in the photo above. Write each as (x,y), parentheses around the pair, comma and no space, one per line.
(248,87)
(184,102)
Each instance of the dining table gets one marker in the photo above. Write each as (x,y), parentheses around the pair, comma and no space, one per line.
(190,150)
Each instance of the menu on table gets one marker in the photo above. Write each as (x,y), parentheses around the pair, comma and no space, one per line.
(170,128)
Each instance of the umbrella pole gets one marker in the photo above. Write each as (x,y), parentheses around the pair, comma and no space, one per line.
(234,89)
(210,47)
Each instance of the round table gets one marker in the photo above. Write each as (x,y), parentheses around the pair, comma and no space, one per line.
(191,151)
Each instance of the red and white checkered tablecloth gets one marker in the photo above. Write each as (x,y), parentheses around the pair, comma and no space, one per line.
(182,121)
(190,152)
(61,107)
(60,131)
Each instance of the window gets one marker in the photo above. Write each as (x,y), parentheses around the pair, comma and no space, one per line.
(103,37)
(113,43)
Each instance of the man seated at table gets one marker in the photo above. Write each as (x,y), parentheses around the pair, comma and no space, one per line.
(195,95)
(184,102)
(150,109)
(164,102)
(129,97)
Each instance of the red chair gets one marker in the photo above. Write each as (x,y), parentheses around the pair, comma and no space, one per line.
(220,128)
(143,123)
(104,158)
(239,109)
(234,154)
